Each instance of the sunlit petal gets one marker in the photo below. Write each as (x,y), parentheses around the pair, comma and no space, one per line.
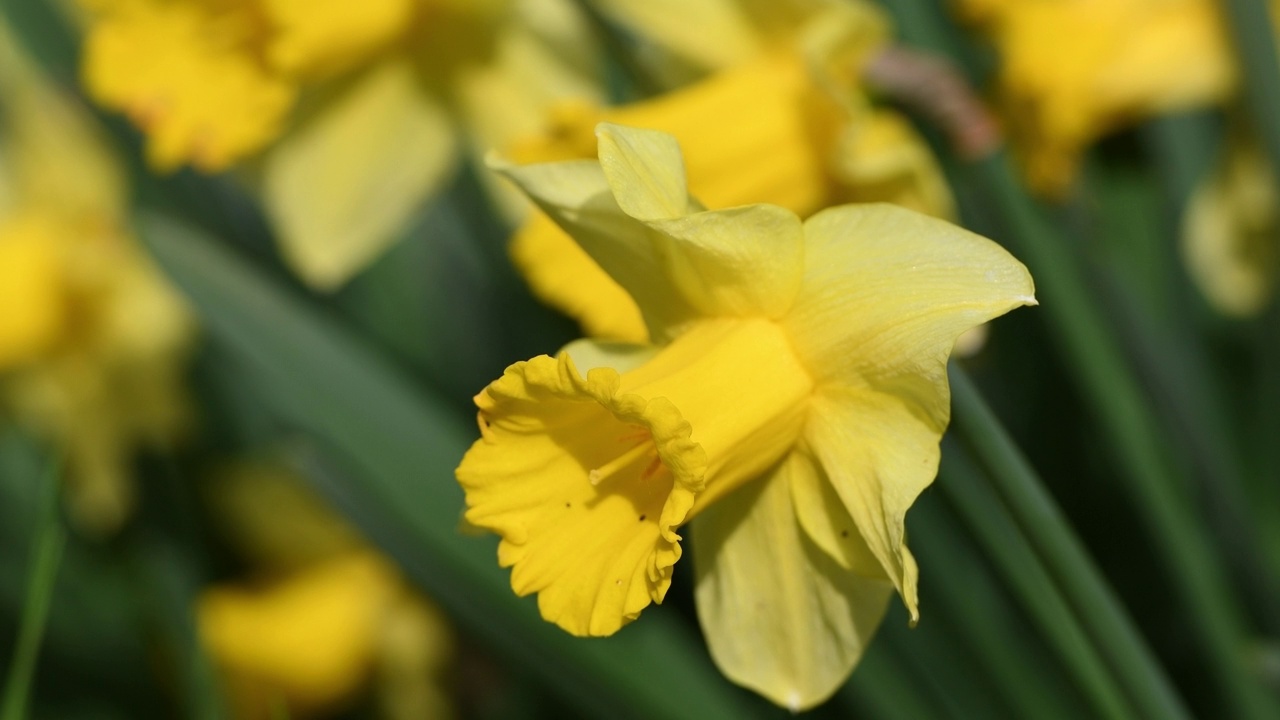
(780,616)
(887,291)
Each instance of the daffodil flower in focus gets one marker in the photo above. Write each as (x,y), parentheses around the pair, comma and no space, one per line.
(1072,71)
(790,402)
(803,134)
(351,113)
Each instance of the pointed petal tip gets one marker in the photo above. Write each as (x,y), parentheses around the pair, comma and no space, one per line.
(794,703)
(611,130)
(497,162)
(605,128)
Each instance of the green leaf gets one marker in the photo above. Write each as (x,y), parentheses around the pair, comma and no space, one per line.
(1156,485)
(1078,579)
(1028,580)
(46,554)
(400,446)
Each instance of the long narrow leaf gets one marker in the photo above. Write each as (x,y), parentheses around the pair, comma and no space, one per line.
(46,556)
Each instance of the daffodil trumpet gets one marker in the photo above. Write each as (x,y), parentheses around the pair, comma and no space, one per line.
(791,399)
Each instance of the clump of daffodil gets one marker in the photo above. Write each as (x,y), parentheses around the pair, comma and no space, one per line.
(327,616)
(353,112)
(804,134)
(1072,71)
(790,402)
(93,342)
(1229,230)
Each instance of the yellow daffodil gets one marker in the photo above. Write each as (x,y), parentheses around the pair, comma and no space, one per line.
(791,399)
(92,340)
(802,136)
(1072,71)
(1229,231)
(693,38)
(354,110)
(330,617)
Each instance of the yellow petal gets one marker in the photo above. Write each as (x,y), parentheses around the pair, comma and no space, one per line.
(774,105)
(770,98)
(631,214)
(99,449)
(416,662)
(32,290)
(645,170)
(562,275)
(780,617)
(881,158)
(1074,71)
(711,33)
(740,262)
(887,291)
(825,520)
(310,638)
(589,354)
(188,77)
(8,195)
(879,452)
(270,517)
(340,186)
(576,195)
(544,52)
(56,155)
(1229,233)
(318,38)
(586,479)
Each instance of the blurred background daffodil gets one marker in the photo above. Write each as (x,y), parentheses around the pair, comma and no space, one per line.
(353,115)
(93,341)
(792,88)
(322,617)
(1074,71)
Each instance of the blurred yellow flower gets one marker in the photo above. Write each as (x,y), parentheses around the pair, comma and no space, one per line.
(31,291)
(694,38)
(329,619)
(792,399)
(1229,231)
(353,108)
(1072,71)
(787,125)
(93,342)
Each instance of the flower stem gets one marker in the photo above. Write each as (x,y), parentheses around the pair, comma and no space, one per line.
(1156,487)
(1092,353)
(883,687)
(46,556)
(969,593)
(1062,553)
(1252,31)
(989,522)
